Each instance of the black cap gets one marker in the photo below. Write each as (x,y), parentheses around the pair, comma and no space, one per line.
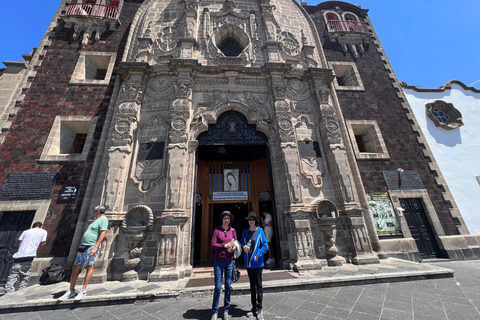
(252,215)
(227,213)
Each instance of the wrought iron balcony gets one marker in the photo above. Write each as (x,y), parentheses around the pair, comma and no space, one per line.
(347,26)
(92,10)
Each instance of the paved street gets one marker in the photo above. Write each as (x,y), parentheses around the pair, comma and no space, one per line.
(455,298)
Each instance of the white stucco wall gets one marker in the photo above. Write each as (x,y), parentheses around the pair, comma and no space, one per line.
(456,151)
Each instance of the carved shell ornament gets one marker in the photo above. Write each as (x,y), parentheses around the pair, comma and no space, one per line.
(326,209)
(139,218)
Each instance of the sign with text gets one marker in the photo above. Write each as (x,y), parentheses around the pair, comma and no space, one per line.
(383,214)
(236,195)
(28,186)
(68,193)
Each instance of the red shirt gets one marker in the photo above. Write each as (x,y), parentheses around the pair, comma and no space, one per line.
(219,240)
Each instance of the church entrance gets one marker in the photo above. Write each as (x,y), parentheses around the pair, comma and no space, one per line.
(230,176)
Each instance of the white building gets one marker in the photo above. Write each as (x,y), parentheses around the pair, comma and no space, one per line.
(448,117)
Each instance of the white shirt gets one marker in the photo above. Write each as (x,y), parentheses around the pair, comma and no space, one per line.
(31,239)
(267,220)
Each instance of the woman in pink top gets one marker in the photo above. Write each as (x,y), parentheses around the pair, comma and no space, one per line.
(222,243)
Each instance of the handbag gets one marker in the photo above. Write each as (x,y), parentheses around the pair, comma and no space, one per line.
(235,272)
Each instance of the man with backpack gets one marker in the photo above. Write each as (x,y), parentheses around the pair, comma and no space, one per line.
(28,244)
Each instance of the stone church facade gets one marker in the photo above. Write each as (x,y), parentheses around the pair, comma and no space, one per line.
(147,106)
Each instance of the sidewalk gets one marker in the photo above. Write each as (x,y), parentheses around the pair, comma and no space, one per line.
(37,297)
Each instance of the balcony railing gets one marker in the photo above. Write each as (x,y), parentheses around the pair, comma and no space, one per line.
(347,26)
(92,10)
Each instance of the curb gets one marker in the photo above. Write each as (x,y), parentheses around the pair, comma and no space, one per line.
(269,286)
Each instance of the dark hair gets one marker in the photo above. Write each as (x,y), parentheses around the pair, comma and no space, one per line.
(37,224)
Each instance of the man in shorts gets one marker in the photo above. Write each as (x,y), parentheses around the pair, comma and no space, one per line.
(87,251)
(28,244)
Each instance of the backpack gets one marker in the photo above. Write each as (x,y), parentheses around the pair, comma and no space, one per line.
(52,274)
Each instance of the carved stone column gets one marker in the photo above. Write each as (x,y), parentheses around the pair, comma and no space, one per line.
(340,168)
(171,247)
(119,147)
(362,246)
(187,42)
(286,139)
(303,244)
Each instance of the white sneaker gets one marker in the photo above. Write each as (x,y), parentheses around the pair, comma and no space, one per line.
(81,295)
(68,295)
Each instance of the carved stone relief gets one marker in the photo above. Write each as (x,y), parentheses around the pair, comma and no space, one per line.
(149,160)
(309,156)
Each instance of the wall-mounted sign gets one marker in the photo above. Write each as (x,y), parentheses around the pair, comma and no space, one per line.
(20,186)
(383,214)
(237,195)
(68,193)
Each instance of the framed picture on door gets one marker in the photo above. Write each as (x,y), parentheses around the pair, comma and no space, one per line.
(230,179)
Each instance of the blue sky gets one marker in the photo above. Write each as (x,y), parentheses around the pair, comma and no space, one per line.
(428,42)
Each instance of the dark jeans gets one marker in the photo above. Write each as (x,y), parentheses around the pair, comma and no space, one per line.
(256,288)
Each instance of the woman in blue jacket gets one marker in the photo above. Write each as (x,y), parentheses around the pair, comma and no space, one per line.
(254,244)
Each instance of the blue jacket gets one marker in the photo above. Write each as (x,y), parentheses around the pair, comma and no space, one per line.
(261,247)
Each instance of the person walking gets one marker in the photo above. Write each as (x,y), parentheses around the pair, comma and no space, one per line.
(87,251)
(29,241)
(267,223)
(254,244)
(222,243)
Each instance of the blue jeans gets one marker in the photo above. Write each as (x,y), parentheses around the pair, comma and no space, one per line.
(218,268)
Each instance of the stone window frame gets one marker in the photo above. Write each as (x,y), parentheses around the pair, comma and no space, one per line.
(342,68)
(326,13)
(455,116)
(344,14)
(77,124)
(371,128)
(97,60)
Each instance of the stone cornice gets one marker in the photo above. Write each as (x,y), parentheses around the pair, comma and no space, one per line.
(446,86)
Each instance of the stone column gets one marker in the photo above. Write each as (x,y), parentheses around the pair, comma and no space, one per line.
(172,226)
(340,168)
(119,148)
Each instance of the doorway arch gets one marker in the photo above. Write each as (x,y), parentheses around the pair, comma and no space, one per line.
(231,150)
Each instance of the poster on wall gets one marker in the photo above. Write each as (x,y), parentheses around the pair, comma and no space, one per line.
(383,214)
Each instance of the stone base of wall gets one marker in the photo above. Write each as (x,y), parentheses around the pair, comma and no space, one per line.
(461,247)
(401,248)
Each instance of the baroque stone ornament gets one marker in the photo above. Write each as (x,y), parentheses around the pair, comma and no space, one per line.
(149,158)
(285,123)
(444,115)
(135,224)
(290,45)
(179,123)
(309,155)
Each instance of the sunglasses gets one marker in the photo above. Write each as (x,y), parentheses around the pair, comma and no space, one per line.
(252,219)
(225,233)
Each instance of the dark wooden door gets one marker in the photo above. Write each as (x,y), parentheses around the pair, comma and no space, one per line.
(12,224)
(420,228)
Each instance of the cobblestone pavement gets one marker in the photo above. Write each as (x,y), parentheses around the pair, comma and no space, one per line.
(456,298)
